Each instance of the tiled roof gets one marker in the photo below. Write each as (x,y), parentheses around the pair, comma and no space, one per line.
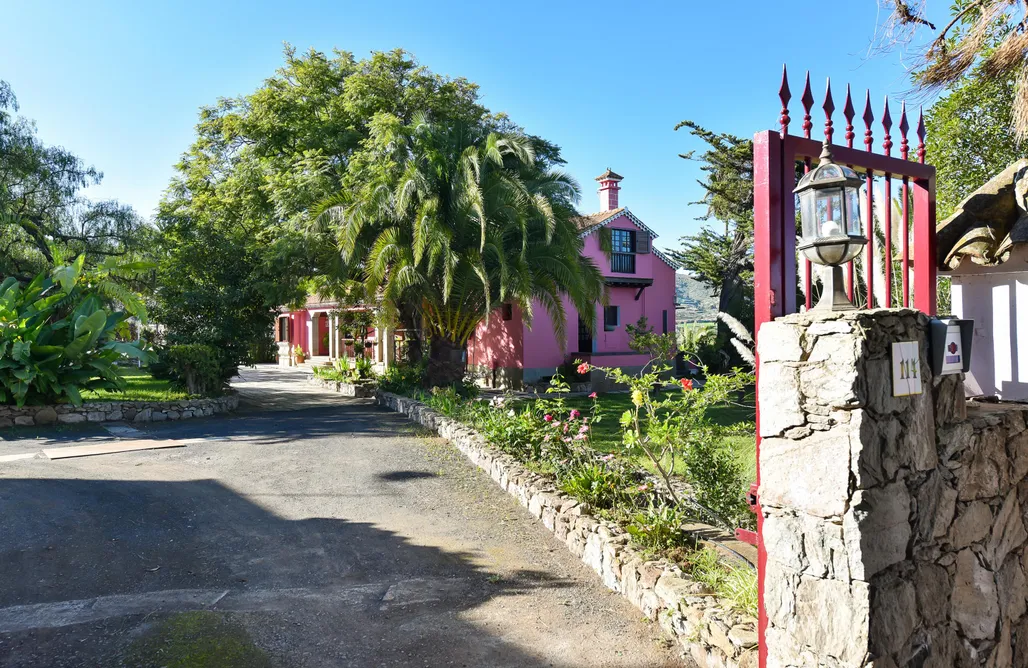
(609,176)
(989,222)
(594,221)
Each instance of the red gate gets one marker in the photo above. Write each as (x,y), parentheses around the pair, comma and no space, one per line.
(777,156)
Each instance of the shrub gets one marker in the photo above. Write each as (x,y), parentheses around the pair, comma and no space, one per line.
(56,340)
(363,368)
(602,484)
(658,528)
(403,379)
(194,368)
(668,429)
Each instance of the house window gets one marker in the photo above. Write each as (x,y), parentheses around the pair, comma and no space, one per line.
(611,318)
(508,311)
(622,257)
(663,320)
(283,329)
(622,241)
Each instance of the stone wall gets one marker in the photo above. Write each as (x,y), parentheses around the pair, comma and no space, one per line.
(116,411)
(359,390)
(715,637)
(894,526)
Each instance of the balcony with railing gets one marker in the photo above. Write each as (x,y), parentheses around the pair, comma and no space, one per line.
(622,263)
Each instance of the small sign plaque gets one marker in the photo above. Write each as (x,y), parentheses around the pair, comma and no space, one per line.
(906,369)
(953,352)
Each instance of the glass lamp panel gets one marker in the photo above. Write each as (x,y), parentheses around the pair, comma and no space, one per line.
(809,215)
(830,212)
(831,171)
(853,211)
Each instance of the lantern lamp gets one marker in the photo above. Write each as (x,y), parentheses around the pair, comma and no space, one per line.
(829,198)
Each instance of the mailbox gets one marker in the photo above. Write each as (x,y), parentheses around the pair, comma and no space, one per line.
(950,345)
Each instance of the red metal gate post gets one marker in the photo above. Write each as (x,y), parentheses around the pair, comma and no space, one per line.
(925,284)
(774,287)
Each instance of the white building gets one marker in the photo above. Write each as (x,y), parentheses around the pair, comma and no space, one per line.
(985,248)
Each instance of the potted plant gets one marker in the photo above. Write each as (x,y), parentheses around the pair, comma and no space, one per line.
(298,355)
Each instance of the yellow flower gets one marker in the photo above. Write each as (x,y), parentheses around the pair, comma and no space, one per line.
(637,397)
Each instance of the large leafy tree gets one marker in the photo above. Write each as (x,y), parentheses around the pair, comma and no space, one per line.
(721,255)
(43,214)
(987,39)
(259,164)
(970,137)
(457,219)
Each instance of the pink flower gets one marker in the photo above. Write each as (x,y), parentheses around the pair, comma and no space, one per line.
(548,417)
(575,413)
(643,488)
(579,436)
(607,458)
(686,384)
(583,429)
(546,438)
(566,427)
(583,368)
(592,396)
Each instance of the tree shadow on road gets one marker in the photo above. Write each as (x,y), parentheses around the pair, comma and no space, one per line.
(310,591)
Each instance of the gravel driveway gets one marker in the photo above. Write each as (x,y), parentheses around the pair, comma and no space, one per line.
(307,530)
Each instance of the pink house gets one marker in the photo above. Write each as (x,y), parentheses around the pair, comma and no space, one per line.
(317,330)
(640,280)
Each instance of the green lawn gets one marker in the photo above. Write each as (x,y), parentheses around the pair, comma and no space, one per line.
(606,435)
(140,386)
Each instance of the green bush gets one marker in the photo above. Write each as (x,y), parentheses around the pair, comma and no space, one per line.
(601,484)
(56,340)
(406,379)
(659,528)
(192,367)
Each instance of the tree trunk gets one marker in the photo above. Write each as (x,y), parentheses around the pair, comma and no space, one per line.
(412,324)
(446,362)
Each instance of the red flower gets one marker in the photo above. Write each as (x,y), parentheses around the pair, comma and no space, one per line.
(583,368)
(686,384)
(548,417)
(592,396)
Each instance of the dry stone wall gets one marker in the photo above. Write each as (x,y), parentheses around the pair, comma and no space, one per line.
(894,526)
(116,411)
(358,390)
(715,637)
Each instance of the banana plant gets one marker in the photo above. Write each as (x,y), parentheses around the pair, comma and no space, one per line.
(57,339)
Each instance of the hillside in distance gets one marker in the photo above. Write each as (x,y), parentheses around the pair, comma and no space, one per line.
(696,301)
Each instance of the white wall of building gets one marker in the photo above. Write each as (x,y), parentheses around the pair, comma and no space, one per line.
(996,298)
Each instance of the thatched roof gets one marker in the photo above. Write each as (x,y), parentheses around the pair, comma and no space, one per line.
(989,223)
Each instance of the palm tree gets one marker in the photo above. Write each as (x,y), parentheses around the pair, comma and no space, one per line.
(460,221)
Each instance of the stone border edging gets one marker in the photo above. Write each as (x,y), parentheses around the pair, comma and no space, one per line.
(116,411)
(356,390)
(713,636)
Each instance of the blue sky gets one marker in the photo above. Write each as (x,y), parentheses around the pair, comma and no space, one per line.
(120,83)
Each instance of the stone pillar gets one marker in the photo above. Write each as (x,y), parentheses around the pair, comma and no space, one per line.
(310,333)
(843,467)
(333,338)
(388,344)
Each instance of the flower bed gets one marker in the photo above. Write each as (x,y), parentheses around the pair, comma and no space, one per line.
(712,631)
(116,411)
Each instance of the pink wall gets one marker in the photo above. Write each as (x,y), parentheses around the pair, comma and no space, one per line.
(498,343)
(541,346)
(298,330)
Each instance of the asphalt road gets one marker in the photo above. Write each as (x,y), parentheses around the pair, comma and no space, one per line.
(330,531)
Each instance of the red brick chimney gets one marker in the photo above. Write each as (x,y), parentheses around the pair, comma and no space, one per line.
(609,190)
